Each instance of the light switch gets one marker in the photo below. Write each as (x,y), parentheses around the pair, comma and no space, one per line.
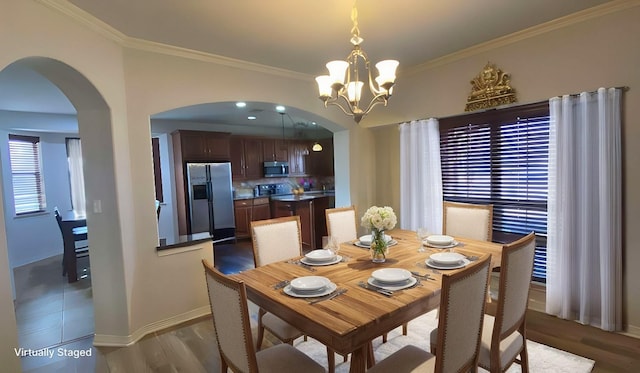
(97,206)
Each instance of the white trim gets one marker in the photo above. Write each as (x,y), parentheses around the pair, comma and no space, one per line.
(180,250)
(575,18)
(632,331)
(124,341)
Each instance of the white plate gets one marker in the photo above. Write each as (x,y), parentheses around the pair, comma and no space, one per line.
(407,284)
(446,258)
(366,239)
(320,255)
(366,246)
(309,283)
(310,294)
(432,264)
(453,244)
(391,275)
(306,261)
(439,240)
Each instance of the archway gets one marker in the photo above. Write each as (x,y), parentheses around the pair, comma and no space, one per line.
(95,129)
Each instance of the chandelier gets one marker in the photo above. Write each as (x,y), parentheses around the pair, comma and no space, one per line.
(344,79)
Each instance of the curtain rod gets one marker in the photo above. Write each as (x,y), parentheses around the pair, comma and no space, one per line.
(624,88)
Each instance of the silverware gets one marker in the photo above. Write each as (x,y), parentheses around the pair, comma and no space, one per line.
(379,290)
(472,258)
(330,296)
(299,263)
(419,275)
(281,284)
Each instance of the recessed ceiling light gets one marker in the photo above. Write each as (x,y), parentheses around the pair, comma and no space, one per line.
(251,117)
(241,104)
(280,108)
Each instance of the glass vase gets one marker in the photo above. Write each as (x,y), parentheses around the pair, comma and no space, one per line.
(379,247)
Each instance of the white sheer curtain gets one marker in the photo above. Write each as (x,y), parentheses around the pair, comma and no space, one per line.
(584,260)
(420,176)
(76,176)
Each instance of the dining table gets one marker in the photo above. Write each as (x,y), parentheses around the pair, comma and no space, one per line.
(347,323)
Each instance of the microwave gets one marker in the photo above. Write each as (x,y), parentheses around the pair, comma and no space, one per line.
(276,169)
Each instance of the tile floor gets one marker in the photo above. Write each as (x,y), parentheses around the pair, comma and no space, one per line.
(49,310)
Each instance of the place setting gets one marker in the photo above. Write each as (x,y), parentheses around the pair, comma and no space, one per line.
(447,260)
(318,287)
(439,241)
(365,241)
(388,280)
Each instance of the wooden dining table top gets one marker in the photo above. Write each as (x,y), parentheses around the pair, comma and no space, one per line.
(349,321)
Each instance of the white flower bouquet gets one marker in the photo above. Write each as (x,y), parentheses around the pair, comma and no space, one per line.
(379,219)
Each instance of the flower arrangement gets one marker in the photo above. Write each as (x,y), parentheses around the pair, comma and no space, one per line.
(379,219)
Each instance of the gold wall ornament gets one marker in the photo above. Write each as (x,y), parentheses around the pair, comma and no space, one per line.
(489,89)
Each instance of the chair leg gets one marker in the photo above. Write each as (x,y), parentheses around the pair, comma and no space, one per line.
(384,338)
(223,366)
(405,326)
(260,336)
(524,359)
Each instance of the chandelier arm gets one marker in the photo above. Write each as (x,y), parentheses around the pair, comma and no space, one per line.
(377,100)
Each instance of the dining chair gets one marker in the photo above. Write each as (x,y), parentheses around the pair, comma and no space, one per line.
(468,220)
(504,336)
(342,223)
(230,314)
(462,305)
(274,240)
(78,234)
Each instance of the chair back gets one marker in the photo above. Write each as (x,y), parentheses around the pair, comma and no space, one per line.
(342,223)
(515,278)
(462,304)
(56,213)
(276,239)
(468,220)
(228,300)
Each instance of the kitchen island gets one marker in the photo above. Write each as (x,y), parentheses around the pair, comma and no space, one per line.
(310,206)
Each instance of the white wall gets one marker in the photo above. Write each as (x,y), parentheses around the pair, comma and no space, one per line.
(24,246)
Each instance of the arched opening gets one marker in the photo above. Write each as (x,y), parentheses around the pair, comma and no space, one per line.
(94,128)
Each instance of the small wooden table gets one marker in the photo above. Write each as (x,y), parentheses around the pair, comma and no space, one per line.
(348,322)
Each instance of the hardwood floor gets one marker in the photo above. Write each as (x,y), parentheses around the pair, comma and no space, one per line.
(190,347)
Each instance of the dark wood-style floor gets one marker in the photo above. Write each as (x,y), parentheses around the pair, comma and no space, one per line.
(190,347)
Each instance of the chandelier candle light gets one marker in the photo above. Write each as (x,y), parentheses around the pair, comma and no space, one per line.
(344,81)
(379,219)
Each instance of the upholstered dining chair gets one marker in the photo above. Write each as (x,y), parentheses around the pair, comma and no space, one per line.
(504,336)
(468,220)
(342,223)
(273,240)
(230,313)
(462,304)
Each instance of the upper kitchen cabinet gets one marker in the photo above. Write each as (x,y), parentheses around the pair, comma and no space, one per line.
(246,157)
(321,163)
(298,154)
(202,145)
(275,150)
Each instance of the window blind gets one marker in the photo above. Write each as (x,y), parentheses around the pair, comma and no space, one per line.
(500,157)
(26,172)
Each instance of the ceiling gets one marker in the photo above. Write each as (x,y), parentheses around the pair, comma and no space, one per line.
(294,35)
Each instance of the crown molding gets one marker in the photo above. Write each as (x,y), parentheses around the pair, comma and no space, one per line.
(88,20)
(572,19)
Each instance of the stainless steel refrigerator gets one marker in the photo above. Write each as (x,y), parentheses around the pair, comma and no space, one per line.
(211,200)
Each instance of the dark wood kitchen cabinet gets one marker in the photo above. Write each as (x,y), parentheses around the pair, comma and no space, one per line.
(202,145)
(248,210)
(246,158)
(275,150)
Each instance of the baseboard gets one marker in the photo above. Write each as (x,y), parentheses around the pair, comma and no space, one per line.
(123,341)
(632,331)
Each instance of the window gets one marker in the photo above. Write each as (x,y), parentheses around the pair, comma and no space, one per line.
(501,157)
(26,172)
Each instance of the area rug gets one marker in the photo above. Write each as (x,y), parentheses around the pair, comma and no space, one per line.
(542,358)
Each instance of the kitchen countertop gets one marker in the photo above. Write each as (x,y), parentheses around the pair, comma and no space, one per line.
(302,197)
